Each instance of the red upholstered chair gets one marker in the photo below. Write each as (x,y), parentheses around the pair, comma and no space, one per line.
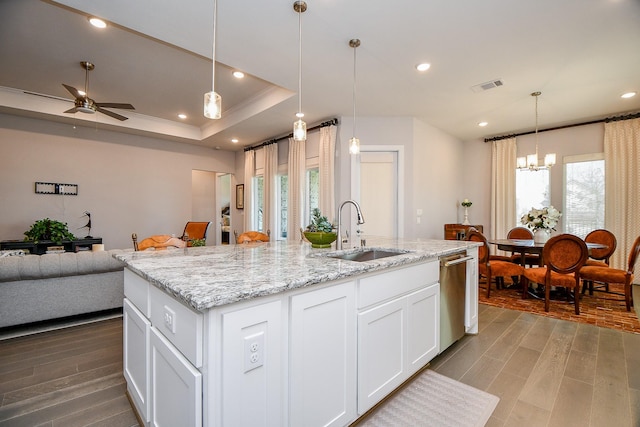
(523,233)
(563,255)
(599,257)
(492,268)
(159,241)
(595,273)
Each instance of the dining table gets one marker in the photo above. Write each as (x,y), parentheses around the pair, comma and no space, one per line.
(530,246)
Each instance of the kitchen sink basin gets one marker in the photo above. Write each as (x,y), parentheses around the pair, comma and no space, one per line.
(367,255)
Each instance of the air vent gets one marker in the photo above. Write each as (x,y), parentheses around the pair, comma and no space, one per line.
(487,85)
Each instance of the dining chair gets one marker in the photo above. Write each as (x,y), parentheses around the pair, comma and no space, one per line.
(252,236)
(563,255)
(158,241)
(599,257)
(593,273)
(492,268)
(195,230)
(523,233)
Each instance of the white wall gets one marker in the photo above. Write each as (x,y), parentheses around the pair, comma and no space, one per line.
(129,183)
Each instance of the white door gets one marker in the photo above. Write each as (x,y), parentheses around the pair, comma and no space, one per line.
(377,184)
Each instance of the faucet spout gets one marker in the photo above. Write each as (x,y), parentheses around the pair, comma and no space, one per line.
(359,216)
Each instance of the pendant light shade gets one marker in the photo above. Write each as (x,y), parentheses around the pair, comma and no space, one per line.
(354,143)
(299,126)
(212,100)
(531,161)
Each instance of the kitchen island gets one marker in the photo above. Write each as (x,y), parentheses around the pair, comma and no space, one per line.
(278,333)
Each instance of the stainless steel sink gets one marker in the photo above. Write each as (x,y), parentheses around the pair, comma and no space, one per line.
(367,255)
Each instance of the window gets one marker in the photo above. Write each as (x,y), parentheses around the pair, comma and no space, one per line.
(312,192)
(532,191)
(283,185)
(583,194)
(258,202)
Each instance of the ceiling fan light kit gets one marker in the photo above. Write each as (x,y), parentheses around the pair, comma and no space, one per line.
(84,104)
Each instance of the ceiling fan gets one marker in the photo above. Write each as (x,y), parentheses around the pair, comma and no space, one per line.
(84,104)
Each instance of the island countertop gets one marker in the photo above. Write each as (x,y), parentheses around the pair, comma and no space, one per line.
(210,276)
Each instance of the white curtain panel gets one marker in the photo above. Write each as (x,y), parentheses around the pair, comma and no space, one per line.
(297,168)
(327,157)
(270,216)
(503,187)
(249,171)
(622,186)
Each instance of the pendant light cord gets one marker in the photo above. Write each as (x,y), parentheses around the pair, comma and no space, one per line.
(354,88)
(300,61)
(213,50)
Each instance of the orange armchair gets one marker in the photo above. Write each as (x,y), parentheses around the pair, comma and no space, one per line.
(158,241)
(252,236)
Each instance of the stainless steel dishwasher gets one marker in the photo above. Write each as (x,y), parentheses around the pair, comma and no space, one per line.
(453,279)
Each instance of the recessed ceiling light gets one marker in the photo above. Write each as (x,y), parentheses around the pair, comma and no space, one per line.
(423,67)
(483,124)
(182,116)
(628,95)
(97,22)
(238,74)
(234,140)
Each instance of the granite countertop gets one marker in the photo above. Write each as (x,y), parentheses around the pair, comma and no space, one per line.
(210,276)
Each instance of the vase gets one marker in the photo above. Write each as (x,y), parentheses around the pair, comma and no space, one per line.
(466,216)
(320,239)
(541,235)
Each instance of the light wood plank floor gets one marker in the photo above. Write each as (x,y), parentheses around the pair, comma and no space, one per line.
(547,372)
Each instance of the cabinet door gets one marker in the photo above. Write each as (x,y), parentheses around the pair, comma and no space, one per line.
(423,327)
(323,357)
(381,352)
(176,386)
(136,333)
(471,294)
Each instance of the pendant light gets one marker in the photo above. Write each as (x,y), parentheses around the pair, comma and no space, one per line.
(531,160)
(354,143)
(213,101)
(299,126)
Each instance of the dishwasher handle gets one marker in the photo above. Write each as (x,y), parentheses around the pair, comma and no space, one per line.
(457,261)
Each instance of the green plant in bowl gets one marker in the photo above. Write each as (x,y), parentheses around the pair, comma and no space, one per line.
(320,231)
(49,229)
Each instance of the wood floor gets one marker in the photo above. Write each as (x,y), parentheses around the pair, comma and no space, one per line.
(547,372)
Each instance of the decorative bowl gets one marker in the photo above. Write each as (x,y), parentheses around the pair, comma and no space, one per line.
(320,239)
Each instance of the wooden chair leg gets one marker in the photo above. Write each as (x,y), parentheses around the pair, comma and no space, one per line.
(525,287)
(576,296)
(627,294)
(488,284)
(547,296)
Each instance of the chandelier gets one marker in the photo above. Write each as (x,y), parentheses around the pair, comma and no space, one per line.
(531,160)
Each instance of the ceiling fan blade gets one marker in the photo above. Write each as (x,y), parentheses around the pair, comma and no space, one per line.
(73,91)
(115,105)
(111,114)
(71,110)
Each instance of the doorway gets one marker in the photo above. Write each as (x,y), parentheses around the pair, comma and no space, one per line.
(378,185)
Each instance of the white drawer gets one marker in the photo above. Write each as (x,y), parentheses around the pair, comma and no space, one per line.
(136,289)
(180,324)
(383,286)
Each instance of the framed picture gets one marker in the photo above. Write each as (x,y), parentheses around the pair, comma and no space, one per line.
(240,196)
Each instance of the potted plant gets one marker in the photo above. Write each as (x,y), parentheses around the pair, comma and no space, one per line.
(320,231)
(49,229)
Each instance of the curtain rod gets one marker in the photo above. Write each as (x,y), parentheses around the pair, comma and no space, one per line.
(331,122)
(607,120)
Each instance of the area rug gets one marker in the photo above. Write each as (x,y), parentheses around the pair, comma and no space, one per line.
(602,309)
(434,400)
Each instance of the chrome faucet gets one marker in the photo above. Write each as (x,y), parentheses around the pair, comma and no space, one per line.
(360,220)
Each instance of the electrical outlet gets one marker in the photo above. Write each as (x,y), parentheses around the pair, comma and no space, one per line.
(253,351)
(170,319)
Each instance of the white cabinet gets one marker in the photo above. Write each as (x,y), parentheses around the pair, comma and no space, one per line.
(322,352)
(136,335)
(471,294)
(398,329)
(176,386)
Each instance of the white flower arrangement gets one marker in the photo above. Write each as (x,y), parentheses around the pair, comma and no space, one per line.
(545,218)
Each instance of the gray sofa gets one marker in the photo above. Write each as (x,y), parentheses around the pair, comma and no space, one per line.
(50,286)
